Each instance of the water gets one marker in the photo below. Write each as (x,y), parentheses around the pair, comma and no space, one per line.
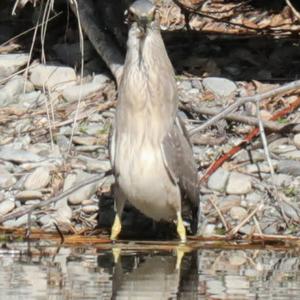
(91,273)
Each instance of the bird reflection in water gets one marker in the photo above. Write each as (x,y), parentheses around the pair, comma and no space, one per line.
(151,276)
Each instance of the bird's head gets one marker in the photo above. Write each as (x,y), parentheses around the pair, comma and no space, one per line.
(143,15)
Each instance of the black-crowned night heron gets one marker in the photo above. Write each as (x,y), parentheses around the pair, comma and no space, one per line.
(151,155)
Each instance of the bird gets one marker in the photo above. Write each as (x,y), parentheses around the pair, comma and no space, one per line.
(150,152)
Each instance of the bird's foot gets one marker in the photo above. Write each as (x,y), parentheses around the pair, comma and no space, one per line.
(180,228)
(116,252)
(116,228)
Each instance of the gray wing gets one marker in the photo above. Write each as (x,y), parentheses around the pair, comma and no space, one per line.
(179,162)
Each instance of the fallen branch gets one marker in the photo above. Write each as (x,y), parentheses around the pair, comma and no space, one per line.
(249,120)
(215,165)
(66,193)
(241,101)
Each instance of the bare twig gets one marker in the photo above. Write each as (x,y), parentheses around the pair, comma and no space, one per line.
(240,101)
(293,9)
(212,201)
(30,209)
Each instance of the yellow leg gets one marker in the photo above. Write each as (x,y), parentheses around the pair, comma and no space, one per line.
(116,252)
(116,228)
(179,256)
(180,228)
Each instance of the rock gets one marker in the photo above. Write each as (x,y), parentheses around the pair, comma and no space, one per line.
(90,209)
(208,230)
(221,87)
(28,100)
(281,180)
(39,179)
(253,199)
(291,167)
(6,179)
(2,197)
(297,140)
(238,184)
(291,154)
(29,195)
(227,202)
(10,63)
(85,192)
(238,213)
(10,92)
(185,85)
(19,222)
(6,206)
(217,181)
(238,258)
(95,165)
(84,140)
(246,229)
(243,156)
(18,156)
(63,213)
(52,77)
(71,94)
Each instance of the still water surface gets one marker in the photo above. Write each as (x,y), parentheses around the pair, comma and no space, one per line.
(91,273)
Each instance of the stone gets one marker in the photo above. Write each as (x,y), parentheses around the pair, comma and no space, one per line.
(253,199)
(84,140)
(10,63)
(12,89)
(297,140)
(46,220)
(95,165)
(85,192)
(18,156)
(291,155)
(73,93)
(238,213)
(39,179)
(90,209)
(185,85)
(6,179)
(238,184)
(217,181)
(238,258)
(29,195)
(208,230)
(19,222)
(220,87)
(290,167)
(6,206)
(52,77)
(28,100)
(2,196)
(281,180)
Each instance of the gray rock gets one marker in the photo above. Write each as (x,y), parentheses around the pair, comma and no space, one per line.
(238,213)
(95,165)
(10,63)
(6,206)
(217,181)
(10,92)
(39,179)
(243,156)
(18,156)
(208,230)
(291,167)
(63,213)
(2,196)
(221,87)
(238,184)
(71,94)
(85,140)
(292,154)
(185,85)
(46,220)
(6,179)
(52,77)
(281,180)
(253,198)
(238,258)
(84,193)
(29,195)
(90,209)
(31,99)
(18,222)
(246,229)
(297,140)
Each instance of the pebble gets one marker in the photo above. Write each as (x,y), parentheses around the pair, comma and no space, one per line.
(238,213)
(253,198)
(85,192)
(221,87)
(52,77)
(2,196)
(89,209)
(217,181)
(6,206)
(29,195)
(291,167)
(6,179)
(12,89)
(85,140)
(238,184)
(73,93)
(39,179)
(18,156)
(46,220)
(281,180)
(208,230)
(238,258)
(297,140)
(10,63)
(19,222)
(95,165)
(292,154)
